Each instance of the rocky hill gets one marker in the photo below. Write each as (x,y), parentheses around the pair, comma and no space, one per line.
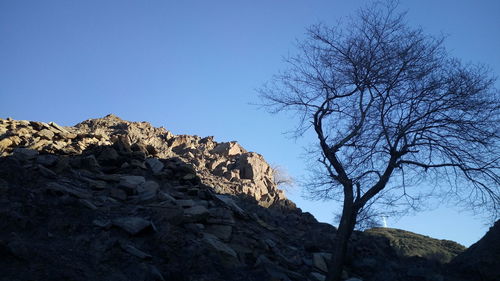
(226,167)
(482,260)
(110,199)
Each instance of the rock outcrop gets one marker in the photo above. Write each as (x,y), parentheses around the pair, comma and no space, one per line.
(481,261)
(226,167)
(110,199)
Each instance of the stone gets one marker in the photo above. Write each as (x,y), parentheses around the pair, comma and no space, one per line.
(264,224)
(42,145)
(187,203)
(57,127)
(155,274)
(194,227)
(26,133)
(189,177)
(109,178)
(4,186)
(320,261)
(232,175)
(48,173)
(63,163)
(143,196)
(155,165)
(316,276)
(19,249)
(193,191)
(129,248)
(196,213)
(226,200)
(5,143)
(138,164)
(108,156)
(90,163)
(46,134)
(118,194)
(220,216)
(16,140)
(253,166)
(68,135)
(131,184)
(166,197)
(149,186)
(172,214)
(25,153)
(47,160)
(97,184)
(67,189)
(102,223)
(87,203)
(132,225)
(223,232)
(131,181)
(228,149)
(262,260)
(218,245)
(270,243)
(277,273)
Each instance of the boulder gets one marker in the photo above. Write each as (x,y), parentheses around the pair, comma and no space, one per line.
(47,160)
(253,166)
(131,249)
(25,153)
(228,149)
(131,183)
(218,245)
(90,163)
(320,261)
(196,213)
(223,232)
(5,143)
(316,276)
(63,188)
(46,134)
(108,156)
(155,165)
(132,225)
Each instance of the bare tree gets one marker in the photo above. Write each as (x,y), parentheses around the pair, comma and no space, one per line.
(282,178)
(393,111)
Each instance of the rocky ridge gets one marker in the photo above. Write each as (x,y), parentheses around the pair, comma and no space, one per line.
(226,167)
(110,199)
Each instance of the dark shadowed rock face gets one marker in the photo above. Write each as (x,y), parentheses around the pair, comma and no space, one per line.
(482,260)
(110,199)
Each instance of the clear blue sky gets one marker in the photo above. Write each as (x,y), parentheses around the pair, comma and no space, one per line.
(193,67)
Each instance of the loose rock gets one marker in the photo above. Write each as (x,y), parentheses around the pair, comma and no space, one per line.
(132,225)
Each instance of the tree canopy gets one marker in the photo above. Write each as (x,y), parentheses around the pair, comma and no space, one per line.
(396,116)
(388,101)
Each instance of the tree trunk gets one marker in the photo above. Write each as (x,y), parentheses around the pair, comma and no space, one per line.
(346,227)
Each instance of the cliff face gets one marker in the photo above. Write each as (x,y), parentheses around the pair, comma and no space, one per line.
(110,199)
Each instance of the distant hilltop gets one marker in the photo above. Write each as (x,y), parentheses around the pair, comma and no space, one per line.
(109,199)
